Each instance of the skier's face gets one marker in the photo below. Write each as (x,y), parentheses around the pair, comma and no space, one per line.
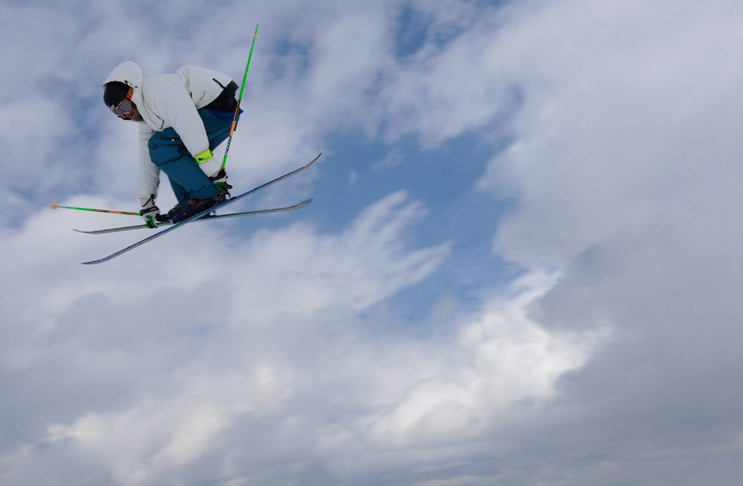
(134,115)
(126,109)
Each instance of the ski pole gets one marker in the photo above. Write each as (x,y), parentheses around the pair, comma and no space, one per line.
(57,206)
(239,98)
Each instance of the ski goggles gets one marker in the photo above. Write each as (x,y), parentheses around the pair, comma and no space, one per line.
(125,107)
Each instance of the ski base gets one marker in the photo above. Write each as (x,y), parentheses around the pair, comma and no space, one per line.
(208,217)
(201,214)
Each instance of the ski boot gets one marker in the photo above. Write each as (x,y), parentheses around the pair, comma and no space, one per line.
(196,206)
(174,215)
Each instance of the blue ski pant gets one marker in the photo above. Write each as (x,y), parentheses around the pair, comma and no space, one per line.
(168,152)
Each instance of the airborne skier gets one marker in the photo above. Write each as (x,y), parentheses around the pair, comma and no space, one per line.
(182,117)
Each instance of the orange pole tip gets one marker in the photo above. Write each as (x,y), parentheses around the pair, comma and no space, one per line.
(53,205)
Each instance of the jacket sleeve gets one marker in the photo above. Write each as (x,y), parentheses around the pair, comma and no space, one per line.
(149,173)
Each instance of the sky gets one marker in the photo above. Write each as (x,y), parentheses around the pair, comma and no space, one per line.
(521,266)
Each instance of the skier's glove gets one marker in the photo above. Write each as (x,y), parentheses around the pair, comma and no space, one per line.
(149,211)
(220,181)
(216,173)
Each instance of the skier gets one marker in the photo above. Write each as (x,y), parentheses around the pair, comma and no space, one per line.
(182,117)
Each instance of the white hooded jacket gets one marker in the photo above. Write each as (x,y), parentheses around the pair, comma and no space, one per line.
(165,101)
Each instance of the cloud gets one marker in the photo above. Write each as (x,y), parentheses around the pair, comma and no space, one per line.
(626,135)
(505,358)
(262,358)
(622,170)
(131,332)
(282,340)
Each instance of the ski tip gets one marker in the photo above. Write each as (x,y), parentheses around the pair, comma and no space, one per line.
(93,262)
(104,259)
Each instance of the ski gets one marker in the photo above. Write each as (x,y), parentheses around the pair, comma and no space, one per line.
(201,214)
(208,217)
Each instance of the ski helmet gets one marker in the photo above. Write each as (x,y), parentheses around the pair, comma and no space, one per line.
(114,92)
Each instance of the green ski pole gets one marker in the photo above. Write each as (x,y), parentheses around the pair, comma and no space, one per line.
(57,206)
(239,98)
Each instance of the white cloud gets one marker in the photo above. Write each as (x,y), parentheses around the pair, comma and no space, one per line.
(275,275)
(603,144)
(444,397)
(392,159)
(196,350)
(214,356)
(503,357)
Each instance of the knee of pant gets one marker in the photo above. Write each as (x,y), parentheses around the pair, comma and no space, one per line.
(165,147)
(164,154)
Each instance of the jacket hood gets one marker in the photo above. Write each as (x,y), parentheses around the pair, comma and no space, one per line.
(128,73)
